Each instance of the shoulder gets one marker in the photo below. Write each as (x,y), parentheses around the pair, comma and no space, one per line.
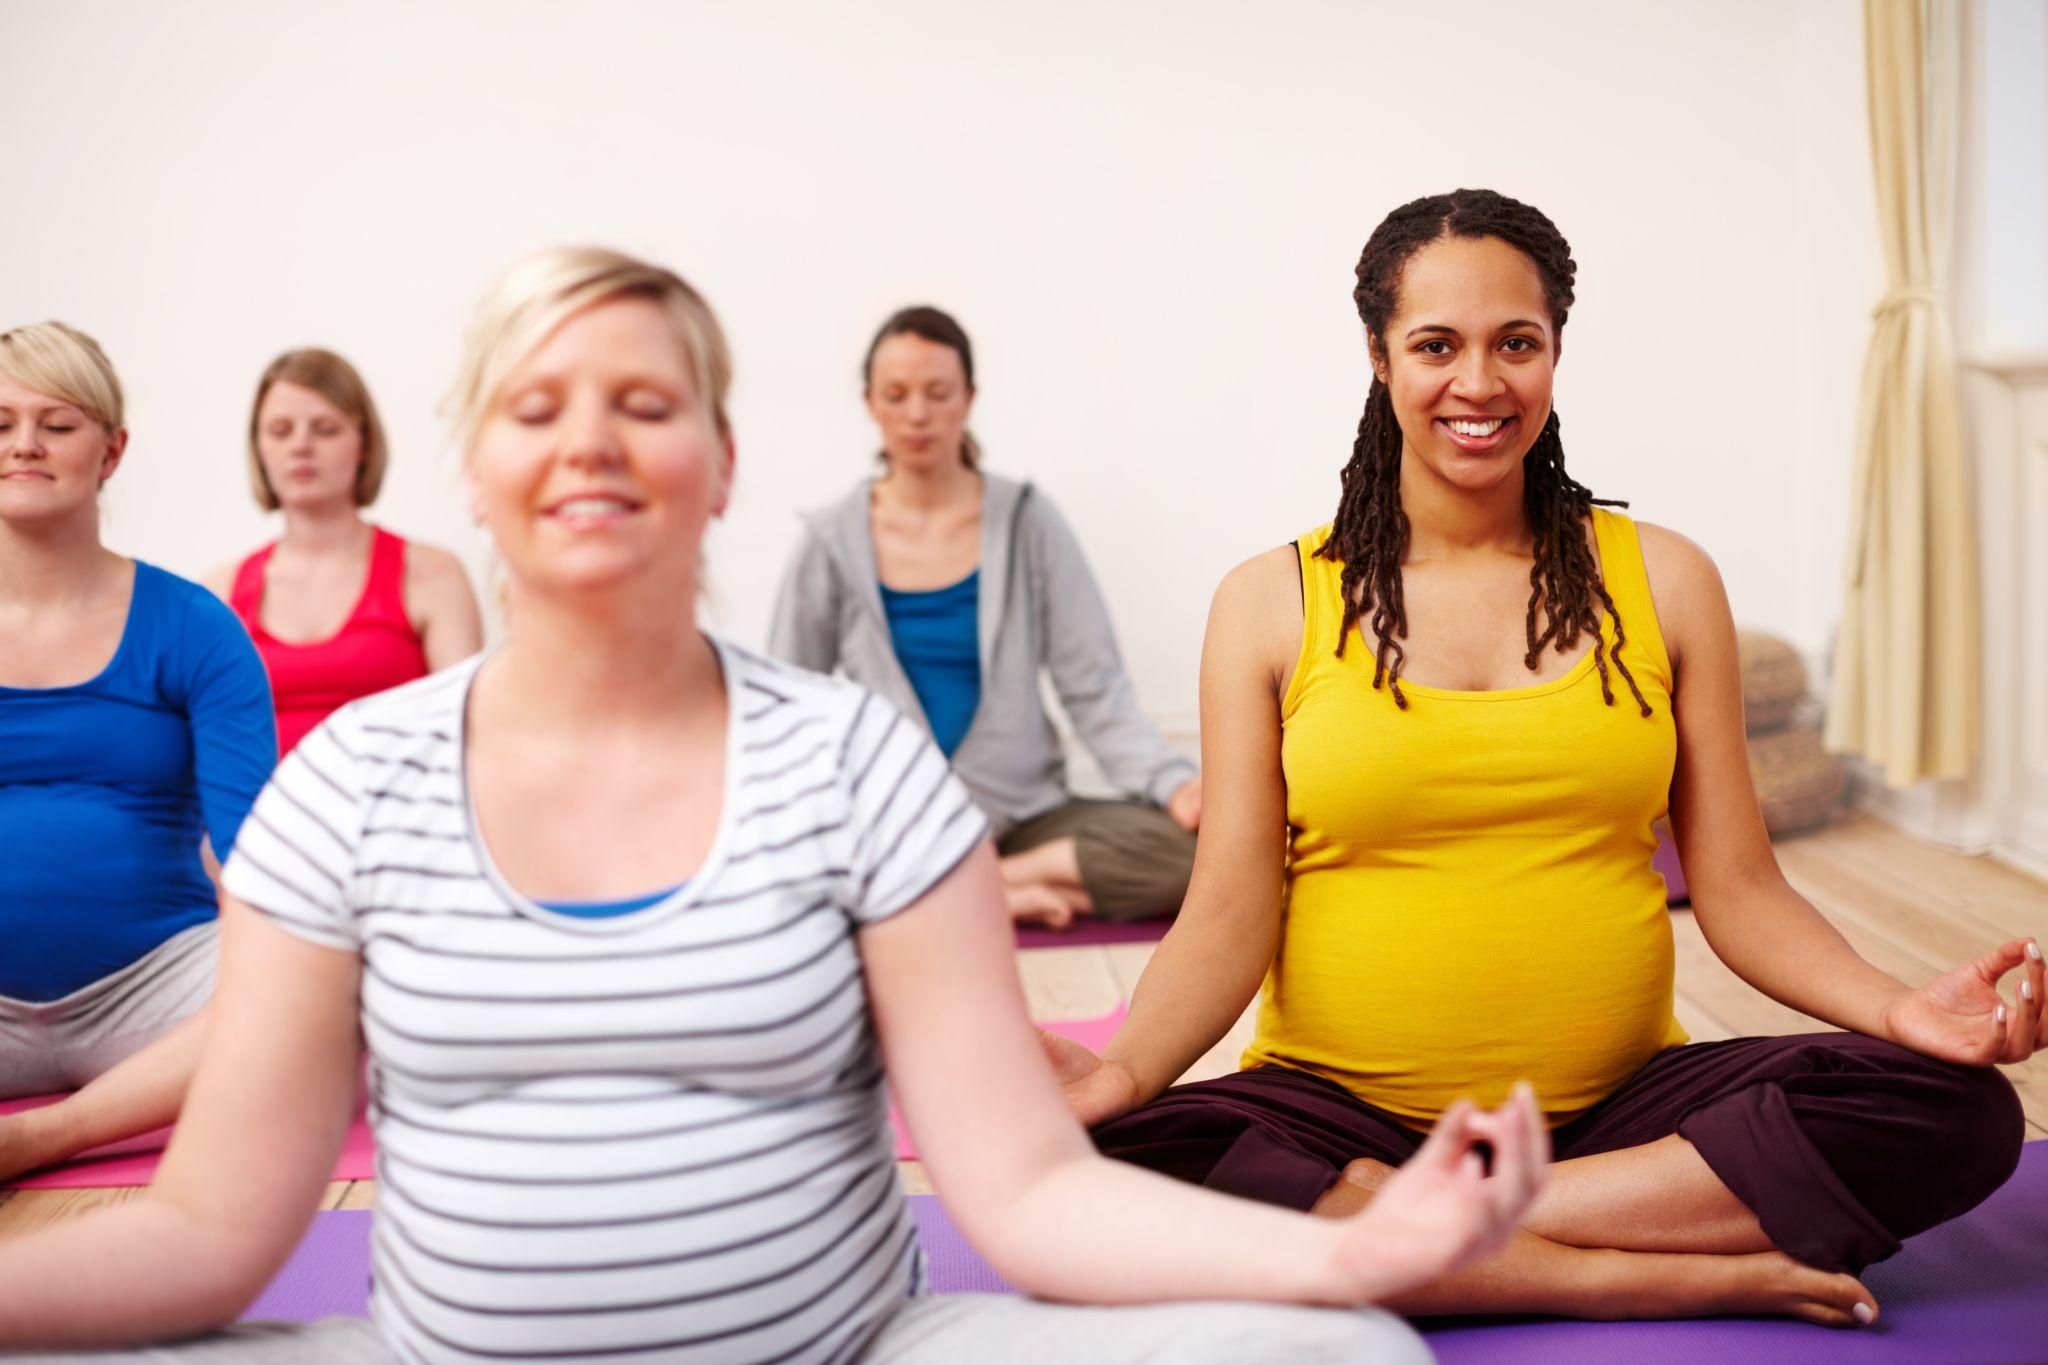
(200,616)
(1269,581)
(1256,616)
(757,685)
(842,521)
(1030,504)
(853,503)
(419,721)
(1691,602)
(431,569)
(1678,568)
(433,703)
(220,580)
(431,560)
(779,695)
(1047,537)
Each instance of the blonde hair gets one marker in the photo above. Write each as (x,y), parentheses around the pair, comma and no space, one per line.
(334,379)
(538,294)
(65,363)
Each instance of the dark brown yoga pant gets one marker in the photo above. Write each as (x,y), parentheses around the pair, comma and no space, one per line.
(1840,1144)
(1135,861)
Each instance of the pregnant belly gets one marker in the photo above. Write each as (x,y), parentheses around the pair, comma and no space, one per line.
(1415,1013)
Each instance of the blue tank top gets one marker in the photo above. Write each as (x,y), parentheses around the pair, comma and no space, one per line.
(936,639)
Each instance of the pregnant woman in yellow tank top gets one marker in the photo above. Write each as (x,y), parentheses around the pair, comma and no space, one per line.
(1436,733)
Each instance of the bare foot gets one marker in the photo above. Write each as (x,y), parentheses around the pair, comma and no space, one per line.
(1772,1284)
(1052,906)
(1608,1285)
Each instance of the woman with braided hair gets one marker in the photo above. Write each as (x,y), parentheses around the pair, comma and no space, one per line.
(1432,839)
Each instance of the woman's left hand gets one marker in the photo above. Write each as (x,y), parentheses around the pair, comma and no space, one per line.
(1960,1016)
(1185,805)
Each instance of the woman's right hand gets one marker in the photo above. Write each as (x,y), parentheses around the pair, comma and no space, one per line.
(1096,1090)
(1444,1208)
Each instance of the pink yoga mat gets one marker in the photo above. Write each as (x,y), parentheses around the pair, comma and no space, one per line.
(1092,1034)
(133,1161)
(1086,932)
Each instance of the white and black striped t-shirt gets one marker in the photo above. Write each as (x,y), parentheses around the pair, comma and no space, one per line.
(660,1135)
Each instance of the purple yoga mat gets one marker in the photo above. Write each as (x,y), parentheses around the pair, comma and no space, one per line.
(1665,862)
(1974,1292)
(1093,933)
(327,1277)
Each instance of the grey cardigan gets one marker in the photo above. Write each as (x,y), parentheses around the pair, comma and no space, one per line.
(1038,609)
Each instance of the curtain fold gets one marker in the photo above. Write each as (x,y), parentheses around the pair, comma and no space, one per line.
(1905,676)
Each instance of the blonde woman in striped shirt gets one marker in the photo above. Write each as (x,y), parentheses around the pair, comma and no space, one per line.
(630,922)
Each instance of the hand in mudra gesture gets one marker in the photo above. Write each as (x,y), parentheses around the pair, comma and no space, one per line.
(1446,1207)
(1960,1016)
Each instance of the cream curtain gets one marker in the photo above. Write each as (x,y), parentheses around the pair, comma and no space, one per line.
(1906,660)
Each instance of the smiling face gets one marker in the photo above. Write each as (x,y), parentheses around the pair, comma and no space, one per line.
(1468,357)
(53,457)
(597,464)
(312,451)
(919,396)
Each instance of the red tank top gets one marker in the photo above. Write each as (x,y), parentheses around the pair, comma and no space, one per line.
(375,649)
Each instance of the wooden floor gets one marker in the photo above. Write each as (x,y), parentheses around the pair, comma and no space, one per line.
(1912,909)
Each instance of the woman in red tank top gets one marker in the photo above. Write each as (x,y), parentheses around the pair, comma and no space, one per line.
(338,608)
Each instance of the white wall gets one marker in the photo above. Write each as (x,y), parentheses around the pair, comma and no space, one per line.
(1146,214)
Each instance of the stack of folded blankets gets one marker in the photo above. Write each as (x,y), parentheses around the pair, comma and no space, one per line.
(1798,784)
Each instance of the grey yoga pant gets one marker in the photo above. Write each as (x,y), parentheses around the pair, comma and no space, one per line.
(939,1329)
(68,1042)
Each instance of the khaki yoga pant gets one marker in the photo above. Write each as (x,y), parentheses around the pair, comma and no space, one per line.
(1135,861)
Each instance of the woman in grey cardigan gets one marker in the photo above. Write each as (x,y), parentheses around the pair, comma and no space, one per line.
(949,590)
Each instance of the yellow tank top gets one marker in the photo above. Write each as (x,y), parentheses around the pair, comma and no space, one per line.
(1469,894)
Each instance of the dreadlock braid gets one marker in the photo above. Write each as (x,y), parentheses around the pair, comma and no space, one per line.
(1370,534)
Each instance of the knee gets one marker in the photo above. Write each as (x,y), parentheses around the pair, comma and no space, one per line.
(1970,1130)
(1987,1129)
(1366,1173)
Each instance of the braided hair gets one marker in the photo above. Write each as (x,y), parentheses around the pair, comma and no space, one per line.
(1370,533)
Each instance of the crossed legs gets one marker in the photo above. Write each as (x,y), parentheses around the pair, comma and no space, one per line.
(130,1043)
(1756,1175)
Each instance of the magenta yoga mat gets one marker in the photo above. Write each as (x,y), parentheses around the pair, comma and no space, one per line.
(1974,1292)
(1093,933)
(133,1161)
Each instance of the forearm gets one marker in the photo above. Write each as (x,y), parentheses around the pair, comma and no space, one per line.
(142,1093)
(137,1272)
(1166,1241)
(1126,745)
(1197,983)
(1771,937)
